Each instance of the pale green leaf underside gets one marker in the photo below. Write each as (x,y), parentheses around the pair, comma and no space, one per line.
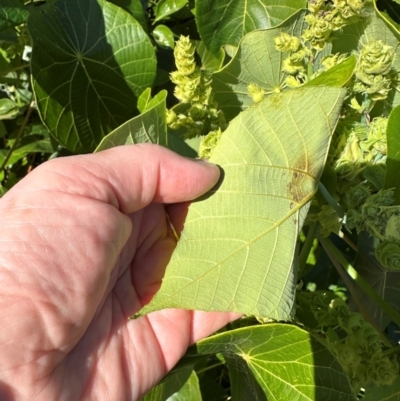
(255,62)
(286,361)
(90,62)
(237,248)
(148,127)
(225,22)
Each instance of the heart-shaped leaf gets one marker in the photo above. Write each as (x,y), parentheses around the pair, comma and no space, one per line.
(90,62)
(237,249)
(225,22)
(287,362)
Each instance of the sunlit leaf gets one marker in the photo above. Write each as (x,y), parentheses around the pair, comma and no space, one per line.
(90,61)
(237,249)
(339,75)
(148,127)
(164,8)
(135,8)
(163,36)
(225,22)
(286,361)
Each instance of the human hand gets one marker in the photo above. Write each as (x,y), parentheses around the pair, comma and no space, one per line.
(84,243)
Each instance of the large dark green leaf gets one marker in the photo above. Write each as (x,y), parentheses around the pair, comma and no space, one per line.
(148,127)
(12,13)
(237,249)
(386,283)
(286,361)
(225,22)
(244,386)
(393,153)
(90,61)
(255,62)
(189,391)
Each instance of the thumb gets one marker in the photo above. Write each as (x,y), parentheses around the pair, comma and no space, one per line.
(127,177)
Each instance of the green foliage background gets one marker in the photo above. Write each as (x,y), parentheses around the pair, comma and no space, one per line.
(302,234)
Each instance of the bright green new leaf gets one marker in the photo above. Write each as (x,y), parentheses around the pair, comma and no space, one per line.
(164,36)
(190,390)
(287,362)
(90,61)
(164,8)
(148,127)
(393,153)
(143,100)
(135,8)
(237,250)
(255,62)
(383,393)
(12,13)
(225,22)
(339,75)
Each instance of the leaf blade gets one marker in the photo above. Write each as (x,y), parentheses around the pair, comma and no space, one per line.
(239,257)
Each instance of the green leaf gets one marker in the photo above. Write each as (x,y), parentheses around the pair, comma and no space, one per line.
(386,283)
(12,13)
(209,61)
(236,252)
(39,146)
(190,390)
(164,8)
(244,386)
(148,127)
(135,8)
(164,36)
(90,61)
(169,386)
(255,62)
(225,22)
(383,393)
(8,109)
(339,75)
(393,153)
(353,37)
(287,362)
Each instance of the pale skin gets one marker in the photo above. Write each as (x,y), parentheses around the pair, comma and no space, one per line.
(84,242)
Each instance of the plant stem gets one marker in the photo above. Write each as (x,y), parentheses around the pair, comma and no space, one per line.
(352,272)
(308,243)
(19,135)
(330,200)
(20,67)
(348,241)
